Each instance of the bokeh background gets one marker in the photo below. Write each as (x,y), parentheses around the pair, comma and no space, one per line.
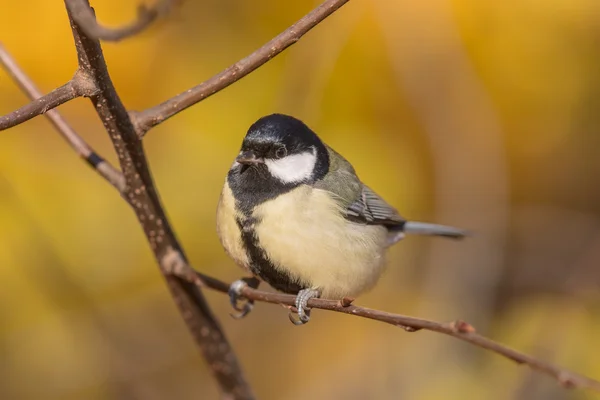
(477,113)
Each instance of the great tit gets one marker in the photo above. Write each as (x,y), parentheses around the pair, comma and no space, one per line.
(293,213)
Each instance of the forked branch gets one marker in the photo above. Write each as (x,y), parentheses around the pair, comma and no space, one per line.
(136,186)
(141,194)
(457,329)
(103,167)
(151,117)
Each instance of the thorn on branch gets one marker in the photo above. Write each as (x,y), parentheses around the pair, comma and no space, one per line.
(460,326)
(346,301)
(566,380)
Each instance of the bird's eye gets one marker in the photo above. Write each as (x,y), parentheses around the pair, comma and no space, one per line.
(281,152)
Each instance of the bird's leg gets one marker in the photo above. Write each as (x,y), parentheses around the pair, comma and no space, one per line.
(301,305)
(235,296)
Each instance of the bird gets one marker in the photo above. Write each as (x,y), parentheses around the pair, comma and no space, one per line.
(294,214)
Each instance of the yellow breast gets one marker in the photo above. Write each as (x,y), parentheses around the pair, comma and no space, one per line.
(227,228)
(305,234)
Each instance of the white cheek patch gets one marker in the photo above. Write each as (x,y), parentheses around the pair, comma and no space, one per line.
(294,168)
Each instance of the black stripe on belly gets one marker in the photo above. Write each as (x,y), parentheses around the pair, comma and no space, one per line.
(260,265)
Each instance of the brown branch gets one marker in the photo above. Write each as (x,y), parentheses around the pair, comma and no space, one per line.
(83,14)
(457,329)
(144,120)
(143,197)
(41,105)
(138,188)
(103,167)
(140,193)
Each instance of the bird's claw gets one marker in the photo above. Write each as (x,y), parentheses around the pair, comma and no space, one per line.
(245,310)
(240,304)
(303,312)
(297,320)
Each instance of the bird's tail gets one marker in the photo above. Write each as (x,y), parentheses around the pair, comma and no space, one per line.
(424,228)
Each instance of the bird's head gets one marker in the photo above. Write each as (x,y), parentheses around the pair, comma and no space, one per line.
(285,148)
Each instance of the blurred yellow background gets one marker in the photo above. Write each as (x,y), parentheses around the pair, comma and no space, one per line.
(477,113)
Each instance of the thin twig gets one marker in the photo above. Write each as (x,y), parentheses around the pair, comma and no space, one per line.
(144,120)
(40,106)
(84,15)
(142,196)
(457,329)
(103,167)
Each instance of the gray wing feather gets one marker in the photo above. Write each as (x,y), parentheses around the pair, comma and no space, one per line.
(362,204)
(371,209)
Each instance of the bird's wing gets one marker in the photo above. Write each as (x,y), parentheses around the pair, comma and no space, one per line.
(370,208)
(361,204)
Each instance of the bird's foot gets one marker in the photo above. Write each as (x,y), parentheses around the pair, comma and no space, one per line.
(238,302)
(301,306)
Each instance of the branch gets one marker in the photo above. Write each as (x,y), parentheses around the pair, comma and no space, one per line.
(41,105)
(151,117)
(80,85)
(138,189)
(142,196)
(457,329)
(83,14)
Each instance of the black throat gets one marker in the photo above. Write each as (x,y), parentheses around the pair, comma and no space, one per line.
(252,186)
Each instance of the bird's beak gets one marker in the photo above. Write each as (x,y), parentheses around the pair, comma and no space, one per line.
(249,158)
